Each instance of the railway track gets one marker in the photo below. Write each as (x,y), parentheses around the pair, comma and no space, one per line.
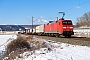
(74,40)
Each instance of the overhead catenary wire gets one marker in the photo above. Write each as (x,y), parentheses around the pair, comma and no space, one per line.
(78,5)
(75,6)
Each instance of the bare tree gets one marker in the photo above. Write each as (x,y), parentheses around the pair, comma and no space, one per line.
(83,20)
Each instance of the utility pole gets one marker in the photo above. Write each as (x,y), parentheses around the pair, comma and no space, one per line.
(32,24)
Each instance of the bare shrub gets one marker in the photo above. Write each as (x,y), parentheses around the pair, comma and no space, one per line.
(19,43)
(16,47)
(13,54)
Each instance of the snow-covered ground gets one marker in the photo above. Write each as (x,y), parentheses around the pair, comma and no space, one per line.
(4,40)
(82,32)
(60,51)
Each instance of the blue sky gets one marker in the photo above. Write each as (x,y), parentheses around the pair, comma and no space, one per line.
(21,11)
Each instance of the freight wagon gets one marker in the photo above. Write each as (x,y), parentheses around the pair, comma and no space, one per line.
(27,30)
(40,29)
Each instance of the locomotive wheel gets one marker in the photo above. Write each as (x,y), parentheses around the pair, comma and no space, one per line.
(69,36)
(57,35)
(61,36)
(48,35)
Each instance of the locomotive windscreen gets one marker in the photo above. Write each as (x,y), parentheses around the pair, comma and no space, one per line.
(67,23)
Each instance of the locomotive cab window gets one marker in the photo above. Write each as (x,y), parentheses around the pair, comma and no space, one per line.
(67,22)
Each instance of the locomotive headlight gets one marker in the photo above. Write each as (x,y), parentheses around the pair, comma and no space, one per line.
(71,27)
(64,27)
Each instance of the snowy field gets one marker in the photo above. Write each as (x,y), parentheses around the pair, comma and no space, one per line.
(60,51)
(82,32)
(4,40)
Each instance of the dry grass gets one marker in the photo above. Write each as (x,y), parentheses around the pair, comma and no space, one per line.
(13,54)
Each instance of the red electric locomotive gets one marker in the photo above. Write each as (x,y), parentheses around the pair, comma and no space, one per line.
(60,27)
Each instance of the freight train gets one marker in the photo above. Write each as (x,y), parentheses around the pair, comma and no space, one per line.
(57,28)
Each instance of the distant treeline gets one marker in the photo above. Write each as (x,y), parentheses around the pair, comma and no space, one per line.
(15,27)
(11,27)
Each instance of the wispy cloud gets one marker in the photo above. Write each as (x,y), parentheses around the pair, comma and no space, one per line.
(78,7)
(27,16)
(41,20)
(41,16)
(38,21)
(3,24)
(44,21)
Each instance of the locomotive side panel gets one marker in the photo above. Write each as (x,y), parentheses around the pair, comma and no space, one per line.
(51,28)
(60,27)
(47,28)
